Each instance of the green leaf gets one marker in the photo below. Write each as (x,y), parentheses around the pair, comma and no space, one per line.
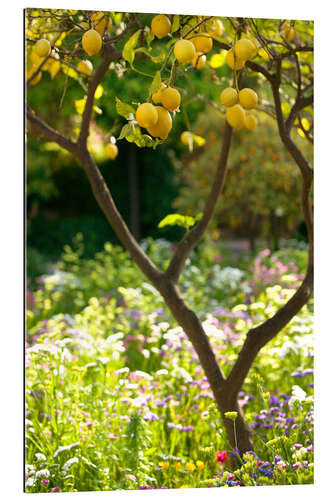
(124,109)
(175,23)
(185,221)
(125,131)
(156,83)
(155,59)
(141,140)
(128,50)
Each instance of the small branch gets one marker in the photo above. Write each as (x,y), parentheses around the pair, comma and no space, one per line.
(300,103)
(192,237)
(50,133)
(109,56)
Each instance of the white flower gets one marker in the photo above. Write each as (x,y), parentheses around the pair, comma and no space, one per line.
(69,463)
(40,457)
(43,473)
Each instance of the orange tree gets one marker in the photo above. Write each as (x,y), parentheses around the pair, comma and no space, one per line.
(87,46)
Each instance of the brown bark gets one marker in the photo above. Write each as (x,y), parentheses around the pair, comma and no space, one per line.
(134,193)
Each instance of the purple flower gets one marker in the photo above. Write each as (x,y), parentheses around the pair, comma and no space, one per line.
(189,428)
(54,490)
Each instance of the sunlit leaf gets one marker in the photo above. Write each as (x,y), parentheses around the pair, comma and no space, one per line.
(60,39)
(141,140)
(185,221)
(264,54)
(99,92)
(80,105)
(69,71)
(124,109)
(200,141)
(98,110)
(175,23)
(217,60)
(285,106)
(128,50)
(156,83)
(125,131)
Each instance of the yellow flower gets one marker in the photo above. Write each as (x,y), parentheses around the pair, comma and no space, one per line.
(177,465)
(200,464)
(164,465)
(190,466)
(185,486)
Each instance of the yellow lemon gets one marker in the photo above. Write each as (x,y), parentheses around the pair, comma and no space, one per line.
(248,98)
(146,115)
(170,98)
(236,116)
(85,67)
(199,60)
(232,62)
(185,137)
(111,151)
(202,43)
(163,125)
(99,21)
(161,25)
(229,96)
(156,97)
(92,42)
(215,27)
(36,59)
(42,48)
(36,79)
(250,122)
(245,49)
(184,51)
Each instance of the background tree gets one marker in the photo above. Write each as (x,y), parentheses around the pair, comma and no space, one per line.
(262,195)
(124,42)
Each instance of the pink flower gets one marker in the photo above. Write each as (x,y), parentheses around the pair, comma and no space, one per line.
(54,490)
(265,253)
(222,456)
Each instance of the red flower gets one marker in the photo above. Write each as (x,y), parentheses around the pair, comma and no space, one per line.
(222,456)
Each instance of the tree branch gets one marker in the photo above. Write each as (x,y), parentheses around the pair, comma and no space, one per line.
(50,133)
(192,237)
(109,55)
(106,203)
(300,103)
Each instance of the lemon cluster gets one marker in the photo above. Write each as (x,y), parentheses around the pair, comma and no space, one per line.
(243,50)
(237,103)
(156,119)
(194,47)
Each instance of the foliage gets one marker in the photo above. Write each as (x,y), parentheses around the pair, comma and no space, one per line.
(116,397)
(263,186)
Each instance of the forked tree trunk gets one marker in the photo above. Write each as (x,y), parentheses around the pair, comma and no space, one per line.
(225,400)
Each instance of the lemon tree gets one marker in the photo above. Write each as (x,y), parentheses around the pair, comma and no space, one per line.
(255,70)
